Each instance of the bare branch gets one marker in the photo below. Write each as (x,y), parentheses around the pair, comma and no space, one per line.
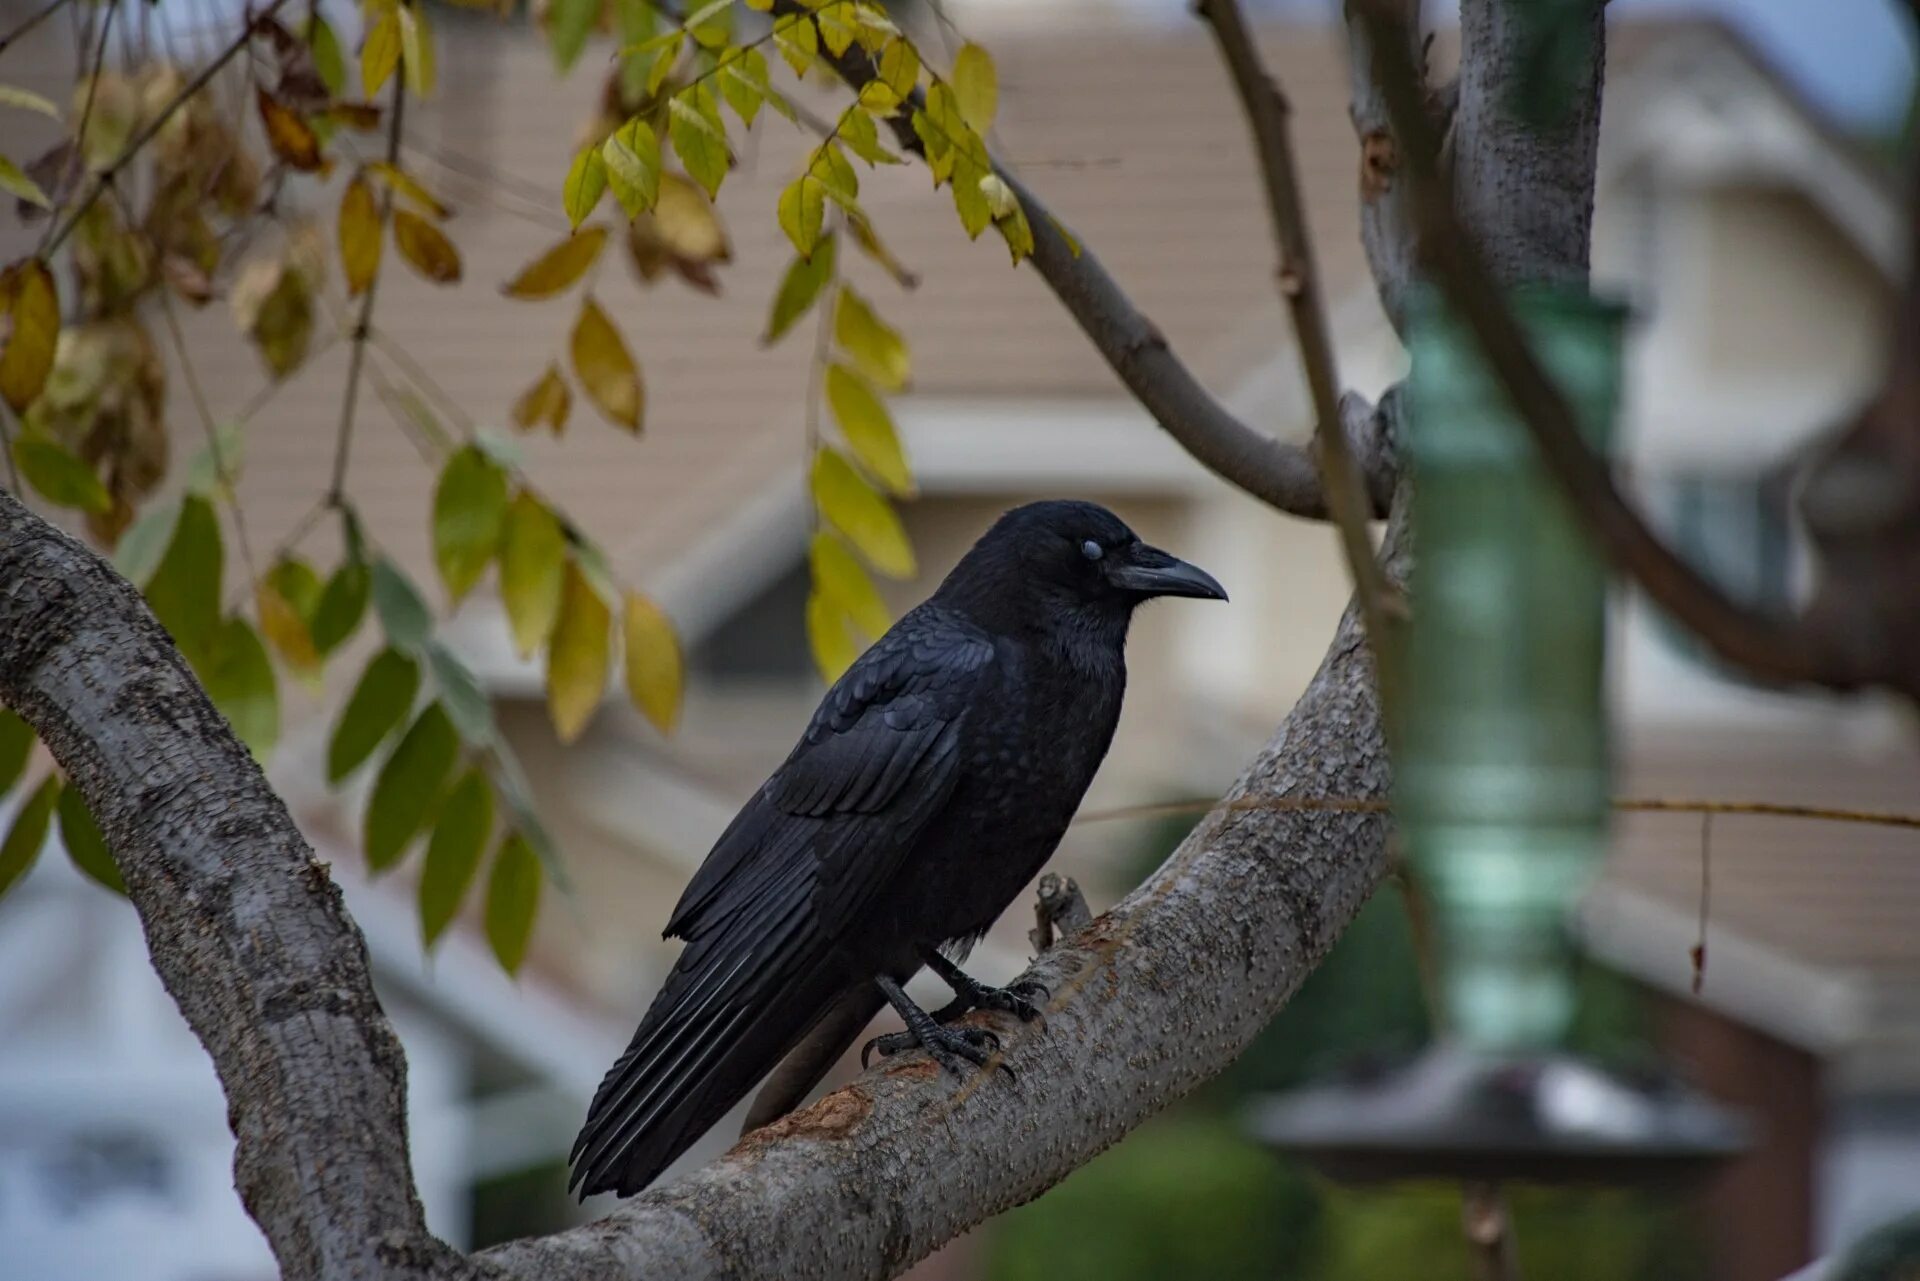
(246,929)
(363,323)
(1283,476)
(1771,648)
(1299,279)
(1386,229)
(32,20)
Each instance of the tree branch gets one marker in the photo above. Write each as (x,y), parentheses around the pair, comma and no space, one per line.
(1299,280)
(246,929)
(1771,648)
(1283,476)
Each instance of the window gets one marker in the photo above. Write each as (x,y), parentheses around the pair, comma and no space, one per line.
(1735,528)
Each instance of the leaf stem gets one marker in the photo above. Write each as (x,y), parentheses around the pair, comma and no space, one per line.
(356,360)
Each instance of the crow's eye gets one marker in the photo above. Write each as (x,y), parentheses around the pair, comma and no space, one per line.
(1092,550)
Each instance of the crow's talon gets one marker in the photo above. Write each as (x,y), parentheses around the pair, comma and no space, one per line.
(954,1048)
(1023,1000)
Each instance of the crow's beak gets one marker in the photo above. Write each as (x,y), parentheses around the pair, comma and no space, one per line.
(1151,572)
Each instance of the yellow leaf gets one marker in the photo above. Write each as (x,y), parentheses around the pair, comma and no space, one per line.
(870,243)
(838,576)
(283,627)
(359,236)
(27,100)
(533,556)
(798,289)
(699,136)
(799,42)
(899,68)
(836,33)
(999,195)
(862,138)
(559,267)
(876,347)
(578,656)
(830,167)
(605,369)
(407,187)
(833,646)
(425,247)
(857,510)
(380,54)
(291,138)
(654,668)
(743,83)
(547,401)
(802,210)
(686,223)
(586,183)
(1017,232)
(33,311)
(976,86)
(868,428)
(416,49)
(16,183)
(632,156)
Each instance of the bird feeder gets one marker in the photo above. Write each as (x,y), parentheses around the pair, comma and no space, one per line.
(1502,761)
(1502,799)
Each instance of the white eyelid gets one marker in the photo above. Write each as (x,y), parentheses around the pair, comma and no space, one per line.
(1092,550)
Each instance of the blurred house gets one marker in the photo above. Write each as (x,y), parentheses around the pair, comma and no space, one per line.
(1755,244)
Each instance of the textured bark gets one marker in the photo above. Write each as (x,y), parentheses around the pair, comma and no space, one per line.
(250,936)
(245,928)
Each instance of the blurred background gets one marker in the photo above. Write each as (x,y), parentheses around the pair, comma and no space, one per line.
(1748,212)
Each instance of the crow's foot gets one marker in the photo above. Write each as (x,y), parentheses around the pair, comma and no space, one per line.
(1021,999)
(957,1049)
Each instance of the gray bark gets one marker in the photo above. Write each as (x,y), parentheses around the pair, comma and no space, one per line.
(250,937)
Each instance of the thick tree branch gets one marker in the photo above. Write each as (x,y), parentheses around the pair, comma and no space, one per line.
(1386,225)
(1532,237)
(245,928)
(1281,475)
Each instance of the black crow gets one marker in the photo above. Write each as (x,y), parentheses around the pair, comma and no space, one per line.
(935,779)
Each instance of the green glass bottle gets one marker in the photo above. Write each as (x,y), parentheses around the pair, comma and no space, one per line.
(1503,778)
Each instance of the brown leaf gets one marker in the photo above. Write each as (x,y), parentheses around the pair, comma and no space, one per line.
(359,236)
(605,369)
(425,247)
(356,115)
(687,224)
(558,268)
(32,307)
(290,136)
(547,401)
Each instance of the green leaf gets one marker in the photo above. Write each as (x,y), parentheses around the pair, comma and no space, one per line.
(586,183)
(403,615)
(328,61)
(708,23)
(799,43)
(460,836)
(868,427)
(632,156)
(239,678)
(862,138)
(799,289)
(569,23)
(466,704)
(379,703)
(857,510)
(976,86)
(342,604)
(699,136)
(877,349)
(510,781)
(899,68)
(297,584)
(802,209)
(839,576)
(416,49)
(469,512)
(380,52)
(513,901)
(833,645)
(16,183)
(85,846)
(578,657)
(146,541)
(60,478)
(16,744)
(28,833)
(533,554)
(184,591)
(409,786)
(829,166)
(655,672)
(744,84)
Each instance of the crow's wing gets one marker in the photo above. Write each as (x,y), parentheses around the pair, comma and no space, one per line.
(879,759)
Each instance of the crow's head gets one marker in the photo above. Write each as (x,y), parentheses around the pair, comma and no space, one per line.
(1071,556)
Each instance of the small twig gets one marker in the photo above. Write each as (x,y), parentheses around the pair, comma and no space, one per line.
(1629,804)
(363,326)
(78,156)
(1299,281)
(33,20)
(1699,953)
(1059,909)
(154,126)
(229,479)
